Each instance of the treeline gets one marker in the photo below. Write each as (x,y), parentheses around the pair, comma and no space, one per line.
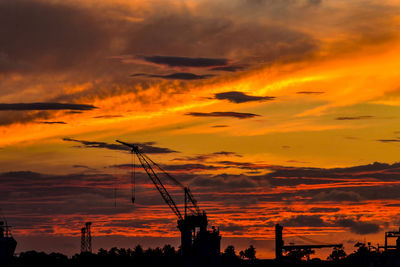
(166,256)
(363,256)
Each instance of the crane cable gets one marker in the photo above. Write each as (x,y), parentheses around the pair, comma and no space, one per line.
(306,238)
(133,178)
(115,182)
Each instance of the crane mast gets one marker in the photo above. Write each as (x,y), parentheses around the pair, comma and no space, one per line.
(203,243)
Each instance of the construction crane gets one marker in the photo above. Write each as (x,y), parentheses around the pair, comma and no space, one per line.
(202,243)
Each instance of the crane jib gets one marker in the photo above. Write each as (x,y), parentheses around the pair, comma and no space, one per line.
(146,162)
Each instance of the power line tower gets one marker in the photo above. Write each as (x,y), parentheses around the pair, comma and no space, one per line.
(86,238)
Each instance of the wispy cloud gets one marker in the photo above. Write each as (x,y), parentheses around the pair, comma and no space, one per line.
(45,106)
(52,122)
(240,97)
(388,140)
(175,76)
(204,157)
(219,126)
(147,147)
(354,118)
(310,92)
(200,62)
(231,114)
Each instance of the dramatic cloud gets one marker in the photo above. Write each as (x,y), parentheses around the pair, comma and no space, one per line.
(60,36)
(354,118)
(237,115)
(358,227)
(186,61)
(55,52)
(240,97)
(38,112)
(175,76)
(355,226)
(45,106)
(147,147)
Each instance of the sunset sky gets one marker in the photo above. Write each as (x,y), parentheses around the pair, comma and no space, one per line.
(272,111)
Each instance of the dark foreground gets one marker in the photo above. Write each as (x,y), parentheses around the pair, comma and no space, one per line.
(168,256)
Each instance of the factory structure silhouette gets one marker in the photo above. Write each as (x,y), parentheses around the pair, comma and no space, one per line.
(200,245)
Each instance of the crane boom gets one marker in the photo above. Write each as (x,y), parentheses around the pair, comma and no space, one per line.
(196,240)
(145,162)
(188,194)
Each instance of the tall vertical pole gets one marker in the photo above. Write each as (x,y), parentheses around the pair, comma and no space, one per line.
(89,237)
(83,240)
(278,241)
(386,236)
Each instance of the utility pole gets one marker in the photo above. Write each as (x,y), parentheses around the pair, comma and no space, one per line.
(86,238)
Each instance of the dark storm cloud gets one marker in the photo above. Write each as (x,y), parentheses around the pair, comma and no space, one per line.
(232,114)
(354,118)
(175,76)
(186,61)
(45,106)
(240,97)
(147,147)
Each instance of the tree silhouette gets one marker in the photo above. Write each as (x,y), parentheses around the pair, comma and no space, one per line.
(249,253)
(337,254)
(230,251)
